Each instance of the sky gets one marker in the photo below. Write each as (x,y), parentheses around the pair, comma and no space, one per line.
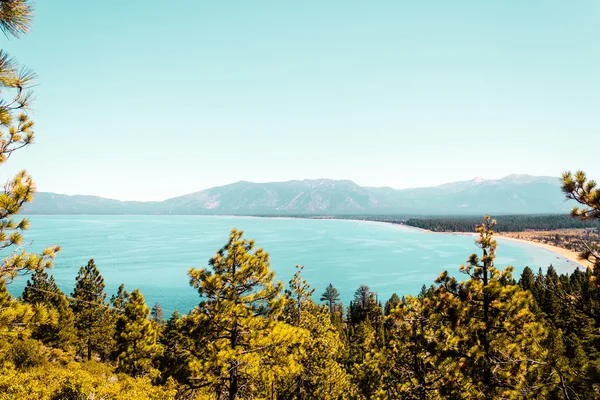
(147,100)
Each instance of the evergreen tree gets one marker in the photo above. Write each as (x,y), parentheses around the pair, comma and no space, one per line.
(364,306)
(157,315)
(527,281)
(235,329)
(119,301)
(93,319)
(60,331)
(416,368)
(298,297)
(391,304)
(577,187)
(18,319)
(489,334)
(322,375)
(137,339)
(174,361)
(331,296)
(16,132)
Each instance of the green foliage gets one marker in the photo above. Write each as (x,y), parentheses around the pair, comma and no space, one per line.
(490,333)
(175,359)
(15,17)
(75,381)
(331,296)
(16,132)
(506,223)
(27,353)
(93,318)
(239,346)
(577,187)
(322,375)
(157,315)
(59,332)
(136,343)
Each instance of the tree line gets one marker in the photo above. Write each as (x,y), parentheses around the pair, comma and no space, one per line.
(506,223)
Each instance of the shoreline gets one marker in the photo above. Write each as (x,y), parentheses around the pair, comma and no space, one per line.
(566,253)
(570,255)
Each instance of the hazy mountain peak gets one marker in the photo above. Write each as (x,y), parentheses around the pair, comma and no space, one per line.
(517,177)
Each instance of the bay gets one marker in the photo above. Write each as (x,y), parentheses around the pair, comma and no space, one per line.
(153,253)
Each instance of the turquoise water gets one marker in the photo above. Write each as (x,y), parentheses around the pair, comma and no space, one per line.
(153,253)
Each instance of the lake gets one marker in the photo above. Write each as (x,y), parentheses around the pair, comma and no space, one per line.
(153,253)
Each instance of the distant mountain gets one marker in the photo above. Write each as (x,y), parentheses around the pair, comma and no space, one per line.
(514,194)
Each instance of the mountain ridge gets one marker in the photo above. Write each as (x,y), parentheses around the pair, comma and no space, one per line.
(513,194)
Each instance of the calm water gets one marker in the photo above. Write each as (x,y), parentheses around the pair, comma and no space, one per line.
(153,253)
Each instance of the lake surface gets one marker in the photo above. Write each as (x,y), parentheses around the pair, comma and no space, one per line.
(153,253)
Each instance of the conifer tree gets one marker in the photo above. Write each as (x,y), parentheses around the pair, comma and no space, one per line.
(174,360)
(16,132)
(322,375)
(391,304)
(331,296)
(137,339)
(298,297)
(157,315)
(586,192)
(60,331)
(235,329)
(527,281)
(416,368)
(17,319)
(490,336)
(93,319)
(119,301)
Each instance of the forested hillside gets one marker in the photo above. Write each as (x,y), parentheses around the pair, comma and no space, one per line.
(506,223)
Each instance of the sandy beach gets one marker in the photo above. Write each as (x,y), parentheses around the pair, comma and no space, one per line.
(568,254)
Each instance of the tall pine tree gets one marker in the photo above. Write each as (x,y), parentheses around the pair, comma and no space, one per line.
(239,344)
(93,318)
(137,344)
(60,331)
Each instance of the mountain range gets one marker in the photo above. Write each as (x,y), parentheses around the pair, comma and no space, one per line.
(513,194)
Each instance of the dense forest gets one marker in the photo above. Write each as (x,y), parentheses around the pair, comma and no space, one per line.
(483,335)
(506,223)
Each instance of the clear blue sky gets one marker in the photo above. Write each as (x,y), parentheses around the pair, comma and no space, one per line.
(151,99)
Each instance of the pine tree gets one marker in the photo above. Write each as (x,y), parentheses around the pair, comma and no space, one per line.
(322,375)
(298,297)
(157,315)
(174,361)
(93,318)
(60,331)
(119,301)
(331,296)
(16,132)
(489,334)
(18,319)
(527,281)
(137,339)
(391,304)
(577,187)
(416,369)
(235,326)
